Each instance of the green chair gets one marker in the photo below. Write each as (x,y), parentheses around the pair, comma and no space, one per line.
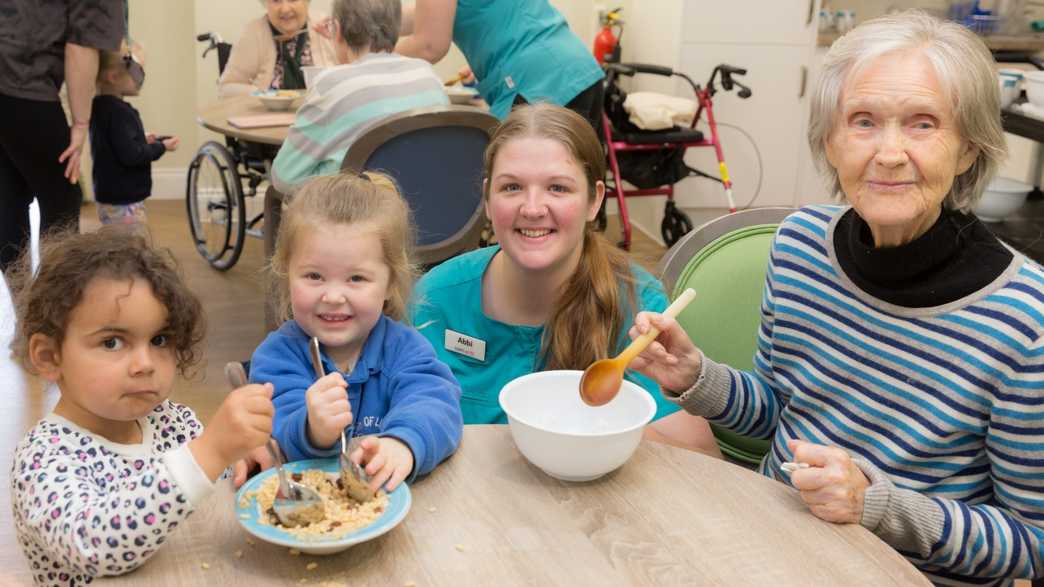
(725,261)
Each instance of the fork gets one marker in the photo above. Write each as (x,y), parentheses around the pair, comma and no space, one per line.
(295,504)
(355,481)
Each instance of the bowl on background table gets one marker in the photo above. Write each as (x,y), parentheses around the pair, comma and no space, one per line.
(278,100)
(461,94)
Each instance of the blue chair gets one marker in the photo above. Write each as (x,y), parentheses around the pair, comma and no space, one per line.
(725,261)
(435,156)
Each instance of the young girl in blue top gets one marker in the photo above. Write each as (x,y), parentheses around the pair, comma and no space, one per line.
(342,263)
(554,294)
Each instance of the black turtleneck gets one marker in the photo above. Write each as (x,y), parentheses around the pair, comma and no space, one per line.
(956,257)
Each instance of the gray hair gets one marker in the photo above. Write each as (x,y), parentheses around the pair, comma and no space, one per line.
(964,67)
(369,24)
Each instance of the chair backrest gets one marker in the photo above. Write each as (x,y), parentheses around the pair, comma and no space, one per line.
(435,156)
(724,261)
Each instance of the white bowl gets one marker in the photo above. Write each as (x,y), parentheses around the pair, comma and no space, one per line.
(1009,90)
(461,94)
(1002,197)
(565,437)
(278,100)
(1034,84)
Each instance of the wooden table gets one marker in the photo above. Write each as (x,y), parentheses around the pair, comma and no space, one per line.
(215,117)
(488,517)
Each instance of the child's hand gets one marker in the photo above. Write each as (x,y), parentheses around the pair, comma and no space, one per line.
(171,144)
(242,423)
(329,411)
(259,459)
(150,137)
(385,459)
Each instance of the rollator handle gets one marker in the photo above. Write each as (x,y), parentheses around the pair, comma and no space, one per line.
(653,69)
(730,70)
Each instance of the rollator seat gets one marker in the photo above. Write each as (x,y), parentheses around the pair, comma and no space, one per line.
(653,137)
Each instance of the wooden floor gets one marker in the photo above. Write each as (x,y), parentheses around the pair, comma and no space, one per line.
(235,326)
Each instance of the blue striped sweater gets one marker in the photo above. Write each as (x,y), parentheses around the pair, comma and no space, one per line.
(942,408)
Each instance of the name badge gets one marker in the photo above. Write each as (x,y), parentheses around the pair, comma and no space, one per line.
(465,345)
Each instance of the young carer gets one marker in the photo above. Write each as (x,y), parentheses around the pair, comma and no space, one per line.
(123,153)
(342,263)
(553,294)
(99,484)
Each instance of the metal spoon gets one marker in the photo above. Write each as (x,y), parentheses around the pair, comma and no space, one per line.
(601,381)
(355,481)
(295,504)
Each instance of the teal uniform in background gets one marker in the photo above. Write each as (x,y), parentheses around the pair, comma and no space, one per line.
(447,308)
(522,48)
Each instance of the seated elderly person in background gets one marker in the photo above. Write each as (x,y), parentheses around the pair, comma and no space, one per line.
(372,83)
(273,49)
(901,349)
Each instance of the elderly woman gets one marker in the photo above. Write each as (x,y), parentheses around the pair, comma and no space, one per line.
(371,83)
(900,355)
(273,49)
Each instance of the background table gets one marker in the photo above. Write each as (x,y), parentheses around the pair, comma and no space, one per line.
(486,517)
(215,117)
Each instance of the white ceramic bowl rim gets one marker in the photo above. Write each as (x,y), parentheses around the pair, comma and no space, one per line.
(1007,185)
(646,398)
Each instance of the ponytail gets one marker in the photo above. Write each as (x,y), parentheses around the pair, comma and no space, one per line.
(591,308)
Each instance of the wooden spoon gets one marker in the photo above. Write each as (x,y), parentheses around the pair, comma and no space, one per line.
(601,381)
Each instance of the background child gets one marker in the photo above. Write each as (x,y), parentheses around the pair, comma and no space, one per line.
(122,152)
(98,484)
(343,270)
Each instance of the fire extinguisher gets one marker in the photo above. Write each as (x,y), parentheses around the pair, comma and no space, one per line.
(607,43)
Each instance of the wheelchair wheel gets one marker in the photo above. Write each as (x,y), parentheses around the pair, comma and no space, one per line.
(214,200)
(675,225)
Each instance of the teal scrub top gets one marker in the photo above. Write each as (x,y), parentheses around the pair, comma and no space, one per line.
(449,299)
(522,48)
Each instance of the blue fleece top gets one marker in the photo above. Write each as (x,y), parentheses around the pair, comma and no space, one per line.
(398,388)
(448,303)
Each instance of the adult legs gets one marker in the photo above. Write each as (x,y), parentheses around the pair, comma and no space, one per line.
(32,137)
(588,104)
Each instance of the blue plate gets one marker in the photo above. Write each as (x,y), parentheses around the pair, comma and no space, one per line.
(398,506)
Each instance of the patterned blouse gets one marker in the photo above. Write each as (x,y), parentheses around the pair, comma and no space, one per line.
(290,48)
(86,507)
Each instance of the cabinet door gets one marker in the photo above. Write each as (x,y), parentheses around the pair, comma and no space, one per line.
(773,117)
(769,22)
(812,186)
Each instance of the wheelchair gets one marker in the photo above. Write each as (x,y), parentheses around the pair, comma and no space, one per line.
(220,178)
(653,161)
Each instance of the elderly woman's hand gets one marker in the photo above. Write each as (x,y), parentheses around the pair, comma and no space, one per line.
(325,27)
(833,486)
(671,360)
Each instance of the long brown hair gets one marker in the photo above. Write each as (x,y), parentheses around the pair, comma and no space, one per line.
(347,198)
(591,307)
(68,263)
